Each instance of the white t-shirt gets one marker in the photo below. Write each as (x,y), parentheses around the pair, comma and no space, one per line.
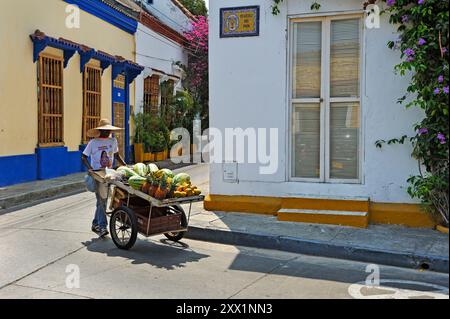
(101,151)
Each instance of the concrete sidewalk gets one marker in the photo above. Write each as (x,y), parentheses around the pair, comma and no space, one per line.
(381,244)
(33,192)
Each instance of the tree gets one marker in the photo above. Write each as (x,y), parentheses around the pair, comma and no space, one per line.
(196,7)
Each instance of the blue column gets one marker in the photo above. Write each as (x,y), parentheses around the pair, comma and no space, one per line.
(127,120)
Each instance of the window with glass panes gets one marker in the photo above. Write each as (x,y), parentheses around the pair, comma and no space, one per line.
(325,98)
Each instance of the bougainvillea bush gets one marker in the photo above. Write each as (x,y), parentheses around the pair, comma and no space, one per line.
(197,69)
(423,44)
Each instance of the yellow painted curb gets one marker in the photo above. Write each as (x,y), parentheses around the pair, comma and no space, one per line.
(442,229)
(410,215)
(341,220)
(243,204)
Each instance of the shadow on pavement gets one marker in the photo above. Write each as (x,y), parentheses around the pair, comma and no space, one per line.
(163,254)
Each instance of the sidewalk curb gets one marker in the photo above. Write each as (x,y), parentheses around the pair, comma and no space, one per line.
(317,248)
(39,195)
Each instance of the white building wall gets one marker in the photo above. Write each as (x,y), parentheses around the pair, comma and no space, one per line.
(169,14)
(248,88)
(157,52)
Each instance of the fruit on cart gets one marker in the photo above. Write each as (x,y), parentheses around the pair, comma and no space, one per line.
(163,189)
(168,172)
(158,175)
(128,172)
(189,191)
(153,185)
(137,182)
(152,168)
(182,178)
(172,188)
(178,194)
(146,187)
(140,169)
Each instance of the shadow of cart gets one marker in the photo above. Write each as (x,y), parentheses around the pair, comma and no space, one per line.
(159,253)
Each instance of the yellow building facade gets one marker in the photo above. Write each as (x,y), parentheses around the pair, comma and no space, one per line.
(34,144)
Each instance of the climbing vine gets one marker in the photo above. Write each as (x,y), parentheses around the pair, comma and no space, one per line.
(423,43)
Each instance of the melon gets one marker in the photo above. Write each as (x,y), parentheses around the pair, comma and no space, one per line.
(167,172)
(137,182)
(140,169)
(152,168)
(128,172)
(182,178)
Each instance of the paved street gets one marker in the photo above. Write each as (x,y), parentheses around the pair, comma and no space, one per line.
(40,243)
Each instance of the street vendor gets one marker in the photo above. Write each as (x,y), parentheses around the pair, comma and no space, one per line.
(103,151)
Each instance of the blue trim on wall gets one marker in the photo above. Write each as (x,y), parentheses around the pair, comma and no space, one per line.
(41,41)
(127,119)
(86,56)
(122,96)
(81,148)
(17,169)
(57,161)
(106,13)
(129,69)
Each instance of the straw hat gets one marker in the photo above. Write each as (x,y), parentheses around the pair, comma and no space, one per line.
(103,125)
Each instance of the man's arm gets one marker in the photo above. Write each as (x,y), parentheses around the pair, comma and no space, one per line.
(119,159)
(85,161)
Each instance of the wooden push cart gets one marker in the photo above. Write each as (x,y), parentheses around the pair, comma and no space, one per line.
(132,212)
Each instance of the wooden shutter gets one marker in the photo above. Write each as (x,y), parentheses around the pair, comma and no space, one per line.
(51,101)
(92,99)
(151,94)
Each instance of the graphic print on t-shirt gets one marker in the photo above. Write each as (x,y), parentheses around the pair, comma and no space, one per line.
(104,160)
(101,151)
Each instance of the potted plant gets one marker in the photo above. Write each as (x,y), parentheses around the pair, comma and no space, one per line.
(151,138)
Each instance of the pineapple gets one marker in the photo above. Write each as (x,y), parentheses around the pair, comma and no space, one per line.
(153,186)
(163,189)
(172,189)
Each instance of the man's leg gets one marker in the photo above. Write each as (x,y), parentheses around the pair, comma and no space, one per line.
(91,186)
(100,214)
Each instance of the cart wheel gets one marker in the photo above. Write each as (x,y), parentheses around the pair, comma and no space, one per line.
(123,228)
(184,223)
